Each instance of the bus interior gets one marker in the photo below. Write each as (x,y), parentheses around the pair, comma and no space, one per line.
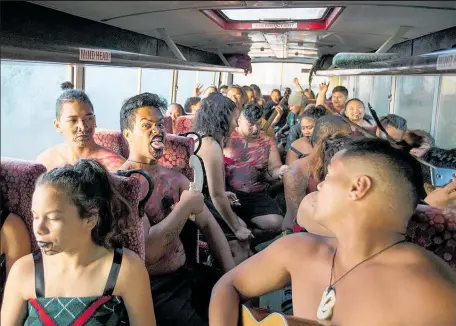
(395,60)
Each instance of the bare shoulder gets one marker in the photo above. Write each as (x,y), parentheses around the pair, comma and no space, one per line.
(428,284)
(52,157)
(22,276)
(15,222)
(15,230)
(132,267)
(297,246)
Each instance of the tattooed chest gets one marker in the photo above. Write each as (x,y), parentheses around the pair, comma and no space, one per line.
(161,202)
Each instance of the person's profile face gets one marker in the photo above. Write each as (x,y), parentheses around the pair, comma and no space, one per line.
(57,224)
(236,96)
(307,126)
(175,112)
(224,91)
(76,123)
(394,133)
(251,97)
(332,192)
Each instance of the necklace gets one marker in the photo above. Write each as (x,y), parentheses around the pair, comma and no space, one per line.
(328,300)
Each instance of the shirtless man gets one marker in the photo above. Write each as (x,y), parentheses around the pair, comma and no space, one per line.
(142,125)
(377,278)
(75,120)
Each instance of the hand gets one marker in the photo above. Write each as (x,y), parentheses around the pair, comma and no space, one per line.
(198,89)
(279,111)
(324,86)
(193,200)
(283,169)
(443,197)
(243,234)
(296,81)
(234,201)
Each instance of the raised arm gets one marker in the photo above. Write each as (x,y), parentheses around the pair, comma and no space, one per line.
(212,157)
(321,98)
(262,273)
(133,286)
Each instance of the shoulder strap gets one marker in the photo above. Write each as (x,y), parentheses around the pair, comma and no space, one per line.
(39,274)
(114,272)
(299,153)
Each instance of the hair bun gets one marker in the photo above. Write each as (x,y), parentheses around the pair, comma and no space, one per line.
(66,86)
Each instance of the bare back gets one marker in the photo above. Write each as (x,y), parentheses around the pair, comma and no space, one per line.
(59,156)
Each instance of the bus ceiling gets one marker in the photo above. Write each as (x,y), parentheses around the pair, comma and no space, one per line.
(203,35)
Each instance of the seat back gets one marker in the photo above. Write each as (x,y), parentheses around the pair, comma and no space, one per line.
(17,180)
(131,190)
(434,229)
(168,124)
(177,154)
(184,124)
(112,140)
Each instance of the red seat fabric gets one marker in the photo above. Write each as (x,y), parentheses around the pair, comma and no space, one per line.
(168,125)
(184,124)
(177,154)
(434,229)
(129,188)
(112,140)
(17,180)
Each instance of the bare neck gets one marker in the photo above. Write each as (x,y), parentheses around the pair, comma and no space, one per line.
(80,257)
(75,152)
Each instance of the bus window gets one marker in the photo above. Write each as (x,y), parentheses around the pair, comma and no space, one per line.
(29,92)
(414,100)
(445,134)
(186,82)
(157,81)
(107,88)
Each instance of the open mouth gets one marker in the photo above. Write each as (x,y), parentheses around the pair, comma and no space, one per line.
(44,245)
(158,143)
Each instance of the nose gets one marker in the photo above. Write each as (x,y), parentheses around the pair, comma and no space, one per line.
(82,125)
(39,226)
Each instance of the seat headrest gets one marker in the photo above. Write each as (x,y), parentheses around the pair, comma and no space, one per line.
(112,140)
(184,124)
(17,180)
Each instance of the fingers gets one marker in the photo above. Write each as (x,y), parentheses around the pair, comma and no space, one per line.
(451,187)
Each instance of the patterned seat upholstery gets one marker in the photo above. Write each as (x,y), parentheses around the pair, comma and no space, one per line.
(184,124)
(177,154)
(130,190)
(435,229)
(112,140)
(17,180)
(168,124)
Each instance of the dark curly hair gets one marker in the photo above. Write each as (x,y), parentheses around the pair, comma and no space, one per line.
(70,95)
(214,117)
(190,102)
(129,107)
(89,187)
(395,121)
(314,112)
(441,158)
(252,112)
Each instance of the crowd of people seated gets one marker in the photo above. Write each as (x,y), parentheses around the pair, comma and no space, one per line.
(297,190)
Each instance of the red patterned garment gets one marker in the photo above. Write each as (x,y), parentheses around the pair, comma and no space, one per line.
(248,168)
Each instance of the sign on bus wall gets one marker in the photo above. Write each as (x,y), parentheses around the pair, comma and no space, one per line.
(274,25)
(94,55)
(446,62)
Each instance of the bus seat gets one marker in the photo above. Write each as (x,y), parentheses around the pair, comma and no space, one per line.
(177,154)
(17,179)
(184,124)
(112,140)
(168,125)
(131,190)
(434,229)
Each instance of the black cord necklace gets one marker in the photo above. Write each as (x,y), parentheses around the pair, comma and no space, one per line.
(328,300)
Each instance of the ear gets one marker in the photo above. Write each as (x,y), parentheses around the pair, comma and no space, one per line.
(92,221)
(360,187)
(127,134)
(57,125)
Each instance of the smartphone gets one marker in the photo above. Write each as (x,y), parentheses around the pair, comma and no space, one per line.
(440,177)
